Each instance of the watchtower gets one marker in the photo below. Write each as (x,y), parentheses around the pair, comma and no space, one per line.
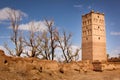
(93,37)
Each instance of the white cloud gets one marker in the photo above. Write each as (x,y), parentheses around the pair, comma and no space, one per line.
(115,52)
(3,48)
(74,48)
(5,13)
(115,33)
(34,25)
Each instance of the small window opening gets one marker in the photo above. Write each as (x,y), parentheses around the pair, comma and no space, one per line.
(98,27)
(99,38)
(98,16)
(5,62)
(86,38)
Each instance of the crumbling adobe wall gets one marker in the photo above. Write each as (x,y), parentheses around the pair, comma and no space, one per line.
(101,66)
(19,64)
(81,66)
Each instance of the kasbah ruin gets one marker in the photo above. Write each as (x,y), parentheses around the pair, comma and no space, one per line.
(94,64)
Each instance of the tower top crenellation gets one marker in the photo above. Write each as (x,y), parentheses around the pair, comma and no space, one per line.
(92,11)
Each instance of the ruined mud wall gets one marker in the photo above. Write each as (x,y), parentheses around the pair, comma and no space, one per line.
(19,64)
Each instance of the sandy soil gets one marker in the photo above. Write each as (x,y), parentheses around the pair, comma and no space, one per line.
(55,75)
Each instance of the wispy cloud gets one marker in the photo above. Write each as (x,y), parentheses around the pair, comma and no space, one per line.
(4,49)
(115,33)
(34,25)
(89,7)
(5,13)
(3,37)
(78,6)
(115,52)
(112,23)
(3,22)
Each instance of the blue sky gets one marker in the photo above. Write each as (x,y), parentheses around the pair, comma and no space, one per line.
(67,15)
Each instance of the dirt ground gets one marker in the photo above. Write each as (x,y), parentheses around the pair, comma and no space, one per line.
(55,75)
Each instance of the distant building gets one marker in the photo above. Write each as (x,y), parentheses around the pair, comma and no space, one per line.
(93,37)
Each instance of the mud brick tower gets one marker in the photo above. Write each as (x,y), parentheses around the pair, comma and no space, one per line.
(93,37)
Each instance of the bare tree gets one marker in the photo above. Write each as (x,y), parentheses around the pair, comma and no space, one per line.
(65,45)
(42,43)
(72,56)
(10,52)
(33,41)
(16,37)
(45,46)
(51,38)
(119,55)
(108,56)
